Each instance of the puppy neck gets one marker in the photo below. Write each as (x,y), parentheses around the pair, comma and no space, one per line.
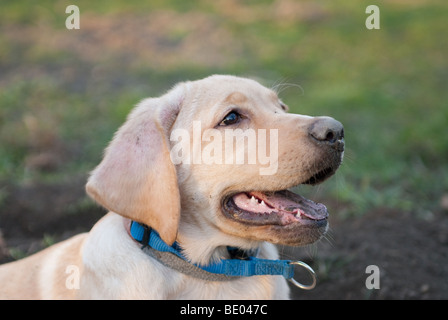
(201,246)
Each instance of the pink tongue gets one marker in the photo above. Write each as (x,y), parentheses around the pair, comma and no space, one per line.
(277,201)
(253,202)
(245,202)
(259,202)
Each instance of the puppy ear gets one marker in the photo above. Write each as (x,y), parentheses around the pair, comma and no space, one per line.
(136,177)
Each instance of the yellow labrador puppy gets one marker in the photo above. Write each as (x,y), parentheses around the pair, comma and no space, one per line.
(194,179)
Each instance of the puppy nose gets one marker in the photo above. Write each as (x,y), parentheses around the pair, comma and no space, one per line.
(327,130)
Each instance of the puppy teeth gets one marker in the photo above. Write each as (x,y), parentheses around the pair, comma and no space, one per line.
(254,200)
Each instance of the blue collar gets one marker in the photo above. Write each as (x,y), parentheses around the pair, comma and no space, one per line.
(244,266)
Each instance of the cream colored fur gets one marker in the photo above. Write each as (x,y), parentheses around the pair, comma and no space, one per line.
(136,180)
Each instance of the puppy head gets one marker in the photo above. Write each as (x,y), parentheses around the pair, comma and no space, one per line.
(182,150)
(241,190)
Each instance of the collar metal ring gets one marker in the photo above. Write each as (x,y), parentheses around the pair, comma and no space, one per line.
(311,272)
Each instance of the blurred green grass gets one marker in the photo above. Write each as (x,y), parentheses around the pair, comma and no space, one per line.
(64,92)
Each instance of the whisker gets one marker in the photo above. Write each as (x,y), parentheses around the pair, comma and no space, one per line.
(279,88)
(349,156)
(281,85)
(277,83)
(312,250)
(329,238)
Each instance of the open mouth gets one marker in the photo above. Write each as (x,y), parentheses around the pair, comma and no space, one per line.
(274,208)
(303,219)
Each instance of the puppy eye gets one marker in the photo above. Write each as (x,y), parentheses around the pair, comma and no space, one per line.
(231,118)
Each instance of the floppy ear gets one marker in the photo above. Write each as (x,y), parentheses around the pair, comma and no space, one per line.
(136,177)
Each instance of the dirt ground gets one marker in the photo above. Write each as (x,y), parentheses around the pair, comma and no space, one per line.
(411,253)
